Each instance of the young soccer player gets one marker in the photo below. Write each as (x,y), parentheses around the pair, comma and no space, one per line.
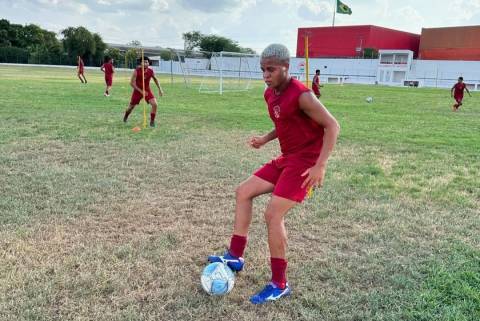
(307,134)
(108,70)
(80,70)
(457,93)
(137,95)
(316,84)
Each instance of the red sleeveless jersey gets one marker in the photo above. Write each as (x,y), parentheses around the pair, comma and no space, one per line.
(459,88)
(297,133)
(147,76)
(108,67)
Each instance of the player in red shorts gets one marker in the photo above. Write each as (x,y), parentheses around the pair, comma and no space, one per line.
(108,70)
(307,134)
(137,95)
(80,70)
(457,93)
(316,84)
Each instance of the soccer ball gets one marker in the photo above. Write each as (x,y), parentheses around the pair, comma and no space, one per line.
(217,279)
(369,100)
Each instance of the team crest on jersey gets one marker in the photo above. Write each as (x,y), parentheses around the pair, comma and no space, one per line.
(276,111)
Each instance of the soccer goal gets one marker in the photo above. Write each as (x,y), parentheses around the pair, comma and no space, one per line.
(229,71)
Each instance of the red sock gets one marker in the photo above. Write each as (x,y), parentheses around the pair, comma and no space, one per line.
(279,272)
(237,245)
(152,117)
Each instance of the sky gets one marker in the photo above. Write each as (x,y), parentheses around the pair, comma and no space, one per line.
(252,23)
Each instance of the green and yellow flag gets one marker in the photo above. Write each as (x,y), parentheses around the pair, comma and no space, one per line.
(343,8)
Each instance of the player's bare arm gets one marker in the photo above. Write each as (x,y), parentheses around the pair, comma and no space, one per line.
(316,111)
(160,91)
(259,141)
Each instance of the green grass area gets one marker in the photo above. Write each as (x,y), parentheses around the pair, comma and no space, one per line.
(100,223)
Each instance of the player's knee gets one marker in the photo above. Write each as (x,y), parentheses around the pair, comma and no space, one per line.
(243,192)
(272,218)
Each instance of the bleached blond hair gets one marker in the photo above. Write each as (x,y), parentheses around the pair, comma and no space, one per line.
(276,51)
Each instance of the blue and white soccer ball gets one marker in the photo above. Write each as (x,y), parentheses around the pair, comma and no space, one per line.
(217,279)
(369,99)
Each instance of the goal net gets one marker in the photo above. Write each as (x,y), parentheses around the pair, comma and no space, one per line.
(229,71)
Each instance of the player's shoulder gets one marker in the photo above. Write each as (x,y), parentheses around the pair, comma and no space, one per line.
(267,92)
(298,86)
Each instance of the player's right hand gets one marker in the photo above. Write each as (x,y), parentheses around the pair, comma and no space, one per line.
(257,141)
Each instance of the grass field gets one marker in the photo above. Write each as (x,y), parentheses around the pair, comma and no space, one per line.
(100,223)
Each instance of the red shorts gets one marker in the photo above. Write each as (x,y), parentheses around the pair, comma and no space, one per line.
(458,99)
(137,97)
(80,71)
(108,81)
(285,172)
(316,91)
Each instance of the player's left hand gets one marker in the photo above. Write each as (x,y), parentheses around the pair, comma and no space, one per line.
(314,176)
(160,92)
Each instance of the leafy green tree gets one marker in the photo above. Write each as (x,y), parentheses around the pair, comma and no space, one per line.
(79,42)
(100,47)
(131,57)
(195,40)
(114,53)
(192,40)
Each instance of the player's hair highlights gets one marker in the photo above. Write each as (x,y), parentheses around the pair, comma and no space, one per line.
(276,51)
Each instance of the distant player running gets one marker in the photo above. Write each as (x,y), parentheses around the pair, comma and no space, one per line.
(137,94)
(80,70)
(457,93)
(307,134)
(108,70)
(316,84)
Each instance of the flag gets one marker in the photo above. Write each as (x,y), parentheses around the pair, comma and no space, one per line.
(343,8)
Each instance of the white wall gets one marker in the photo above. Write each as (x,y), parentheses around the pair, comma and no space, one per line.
(439,73)
(430,73)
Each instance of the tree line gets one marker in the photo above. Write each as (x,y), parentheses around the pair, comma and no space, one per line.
(30,44)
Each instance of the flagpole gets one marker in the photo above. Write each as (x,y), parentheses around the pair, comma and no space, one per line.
(334,11)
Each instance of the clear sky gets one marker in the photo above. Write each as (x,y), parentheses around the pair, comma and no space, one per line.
(253,23)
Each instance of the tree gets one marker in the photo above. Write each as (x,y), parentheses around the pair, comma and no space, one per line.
(248,51)
(38,45)
(78,42)
(100,47)
(131,57)
(194,40)
(191,40)
(167,55)
(213,43)
(114,53)
(81,42)
(370,53)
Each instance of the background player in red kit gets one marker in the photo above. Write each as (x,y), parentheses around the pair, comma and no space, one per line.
(80,70)
(316,84)
(307,134)
(108,70)
(457,93)
(137,95)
